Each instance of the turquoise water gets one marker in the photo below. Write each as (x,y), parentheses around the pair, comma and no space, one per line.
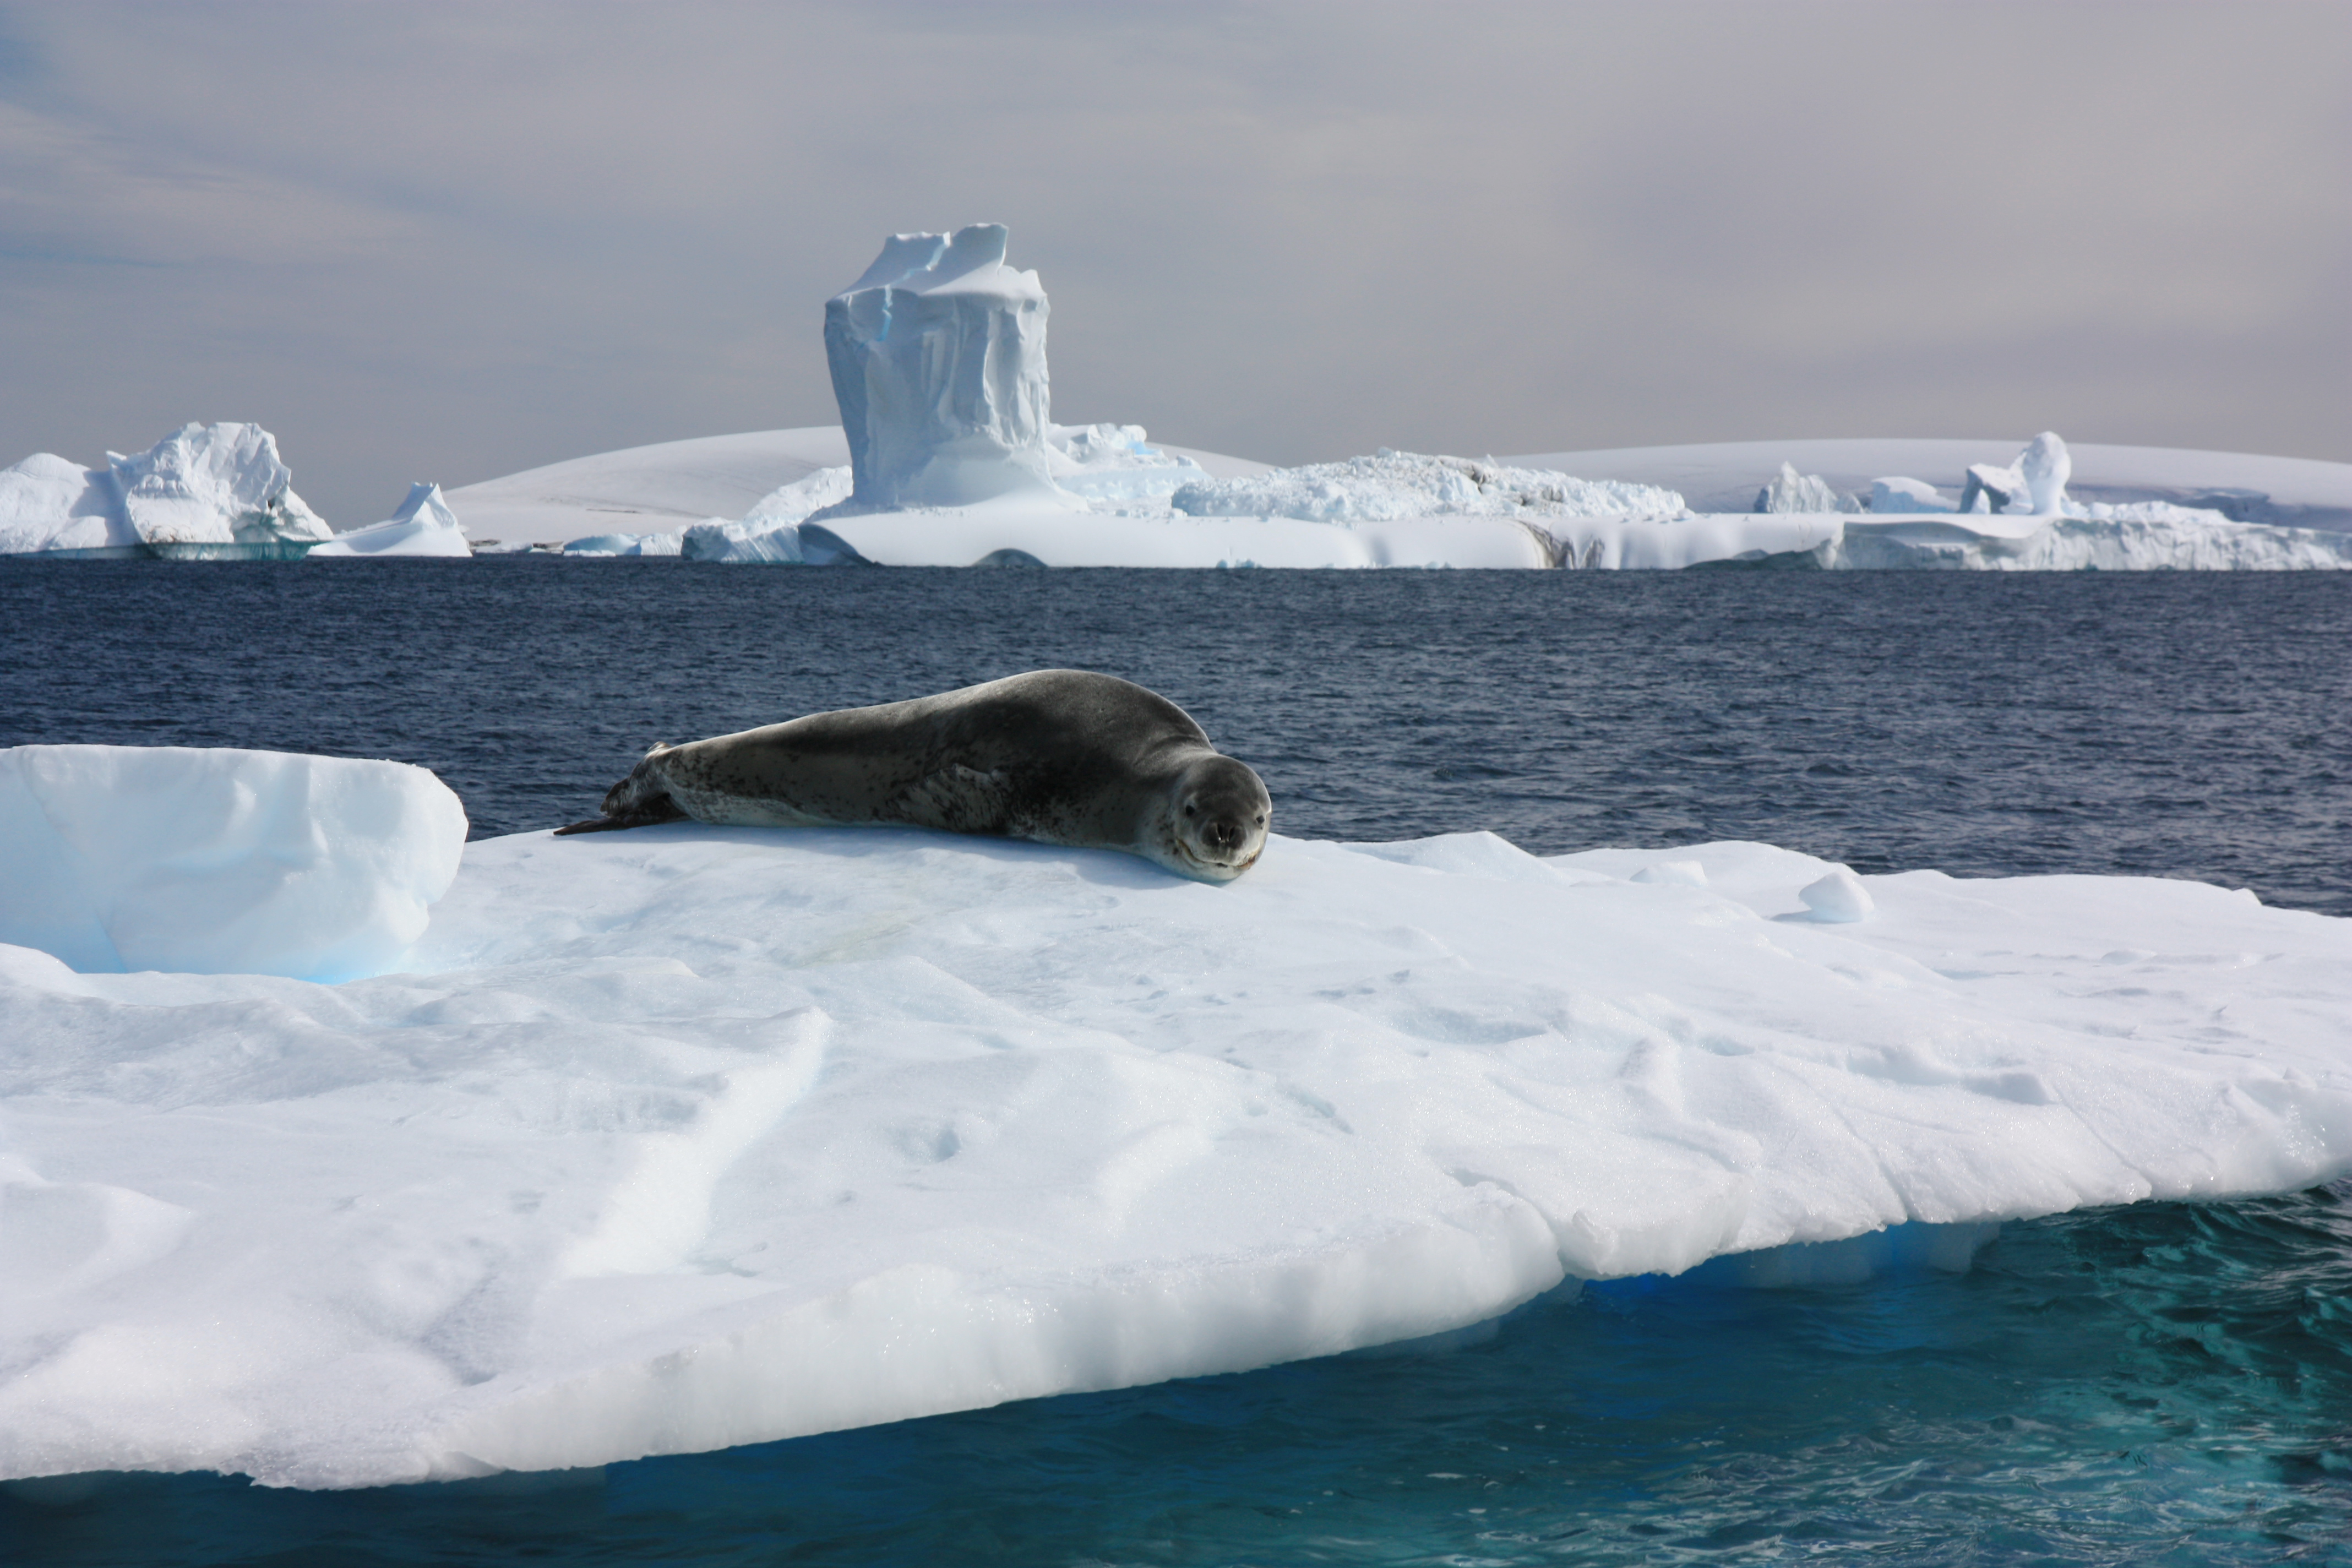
(2162,1383)
(2165,1384)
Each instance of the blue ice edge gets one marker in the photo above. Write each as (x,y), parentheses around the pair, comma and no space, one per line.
(1915,1246)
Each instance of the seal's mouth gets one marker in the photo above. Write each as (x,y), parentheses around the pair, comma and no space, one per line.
(1226,867)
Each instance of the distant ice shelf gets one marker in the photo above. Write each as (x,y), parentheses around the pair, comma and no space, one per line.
(685,1137)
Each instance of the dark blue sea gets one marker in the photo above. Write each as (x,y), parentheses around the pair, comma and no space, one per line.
(2163,1383)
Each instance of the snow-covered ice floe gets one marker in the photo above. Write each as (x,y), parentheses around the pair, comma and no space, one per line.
(688,1137)
(204,492)
(424,525)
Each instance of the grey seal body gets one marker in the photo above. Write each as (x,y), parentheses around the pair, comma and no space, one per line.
(1060,756)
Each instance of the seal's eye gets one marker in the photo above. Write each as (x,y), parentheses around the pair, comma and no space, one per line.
(1261,819)
(1188,809)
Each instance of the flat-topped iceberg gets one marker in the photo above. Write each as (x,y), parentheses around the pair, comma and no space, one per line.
(220,861)
(202,492)
(688,1137)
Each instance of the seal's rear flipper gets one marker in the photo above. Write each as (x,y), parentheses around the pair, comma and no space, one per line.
(659,808)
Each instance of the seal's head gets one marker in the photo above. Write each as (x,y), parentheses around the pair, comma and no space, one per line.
(1216,820)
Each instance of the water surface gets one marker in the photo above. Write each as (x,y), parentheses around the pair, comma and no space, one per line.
(2162,1383)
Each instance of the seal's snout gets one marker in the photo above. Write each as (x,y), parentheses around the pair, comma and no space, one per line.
(1219,819)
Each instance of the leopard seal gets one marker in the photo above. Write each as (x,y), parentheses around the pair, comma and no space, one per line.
(1059,757)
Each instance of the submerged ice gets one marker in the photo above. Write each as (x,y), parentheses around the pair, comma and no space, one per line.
(687,1137)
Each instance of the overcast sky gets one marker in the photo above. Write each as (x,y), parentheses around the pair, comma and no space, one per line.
(451,241)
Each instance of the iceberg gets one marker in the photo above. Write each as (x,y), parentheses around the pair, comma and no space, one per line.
(2034,483)
(204,492)
(2145,536)
(763,541)
(692,1136)
(1792,491)
(219,861)
(625,544)
(423,526)
(1907,496)
(938,355)
(51,503)
(1115,463)
(770,533)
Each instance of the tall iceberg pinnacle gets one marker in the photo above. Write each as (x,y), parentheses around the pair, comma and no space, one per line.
(938,355)
(2038,477)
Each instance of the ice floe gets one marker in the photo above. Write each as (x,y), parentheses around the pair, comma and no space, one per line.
(685,1137)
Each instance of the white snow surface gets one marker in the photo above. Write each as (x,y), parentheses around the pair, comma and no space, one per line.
(1115,463)
(216,485)
(2134,537)
(2298,492)
(663,487)
(687,1137)
(219,861)
(938,357)
(424,525)
(672,485)
(1389,486)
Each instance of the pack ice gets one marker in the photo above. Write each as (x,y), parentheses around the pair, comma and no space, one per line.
(685,1137)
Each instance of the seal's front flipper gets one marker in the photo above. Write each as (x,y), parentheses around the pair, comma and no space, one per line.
(596,825)
(960,799)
